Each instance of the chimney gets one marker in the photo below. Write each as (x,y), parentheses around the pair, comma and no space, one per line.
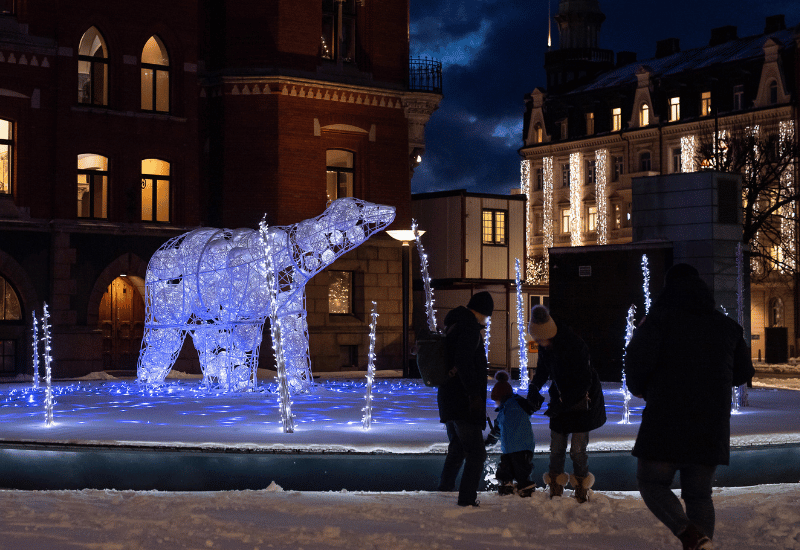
(667,47)
(774,23)
(625,58)
(720,35)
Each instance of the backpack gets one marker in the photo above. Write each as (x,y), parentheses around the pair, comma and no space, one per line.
(432,358)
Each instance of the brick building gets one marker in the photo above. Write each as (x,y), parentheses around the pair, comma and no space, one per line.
(165,117)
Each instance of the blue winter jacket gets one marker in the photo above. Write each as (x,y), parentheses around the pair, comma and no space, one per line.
(514,424)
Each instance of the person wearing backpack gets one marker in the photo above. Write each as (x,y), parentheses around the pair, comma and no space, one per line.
(462,397)
(576,400)
(512,428)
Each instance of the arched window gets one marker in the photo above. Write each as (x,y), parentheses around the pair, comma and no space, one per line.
(6,155)
(10,309)
(644,115)
(341,172)
(155,76)
(155,190)
(92,186)
(773,92)
(93,69)
(644,161)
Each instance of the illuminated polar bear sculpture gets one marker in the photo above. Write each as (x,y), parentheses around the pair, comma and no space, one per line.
(215,284)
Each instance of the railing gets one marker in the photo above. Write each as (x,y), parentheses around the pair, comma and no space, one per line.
(424,75)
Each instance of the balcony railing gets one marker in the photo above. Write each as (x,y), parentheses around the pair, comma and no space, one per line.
(424,75)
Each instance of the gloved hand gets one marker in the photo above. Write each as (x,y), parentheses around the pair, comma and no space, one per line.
(535,399)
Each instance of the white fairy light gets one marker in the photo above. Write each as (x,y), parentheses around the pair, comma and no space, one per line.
(525,186)
(523,352)
(487,337)
(601,193)
(426,280)
(367,419)
(750,167)
(35,345)
(787,245)
(646,283)
(212,283)
(688,152)
(575,184)
(547,211)
(536,273)
(48,396)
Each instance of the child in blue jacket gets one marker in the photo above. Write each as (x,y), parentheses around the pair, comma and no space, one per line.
(513,429)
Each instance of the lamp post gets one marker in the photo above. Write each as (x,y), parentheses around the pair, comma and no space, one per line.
(405,236)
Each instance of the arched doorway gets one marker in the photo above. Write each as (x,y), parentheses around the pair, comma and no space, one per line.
(121,320)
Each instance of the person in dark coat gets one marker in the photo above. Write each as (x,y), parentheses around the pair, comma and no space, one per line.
(462,398)
(512,428)
(576,400)
(683,360)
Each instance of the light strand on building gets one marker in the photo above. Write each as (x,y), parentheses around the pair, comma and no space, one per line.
(750,166)
(600,185)
(525,186)
(788,221)
(523,351)
(575,184)
(688,152)
(367,419)
(547,212)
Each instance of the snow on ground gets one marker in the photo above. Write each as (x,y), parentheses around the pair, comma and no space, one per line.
(752,518)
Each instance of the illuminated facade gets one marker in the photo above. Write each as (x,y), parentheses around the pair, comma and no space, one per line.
(124,125)
(649,118)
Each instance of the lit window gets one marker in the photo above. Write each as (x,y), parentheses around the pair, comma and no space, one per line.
(565,220)
(616,119)
(674,109)
(619,163)
(589,124)
(591,219)
(773,93)
(494,227)
(705,104)
(155,76)
(92,186)
(644,161)
(92,69)
(538,134)
(338,42)
(9,302)
(6,155)
(340,292)
(644,115)
(155,190)
(738,97)
(340,173)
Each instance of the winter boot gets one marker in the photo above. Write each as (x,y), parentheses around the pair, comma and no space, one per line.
(506,489)
(693,539)
(556,483)
(582,486)
(526,489)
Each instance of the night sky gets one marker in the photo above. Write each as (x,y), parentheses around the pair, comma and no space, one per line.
(492,53)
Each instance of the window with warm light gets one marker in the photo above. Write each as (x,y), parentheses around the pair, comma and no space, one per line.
(340,173)
(589,124)
(705,104)
(591,219)
(92,186)
(338,42)
(6,155)
(565,220)
(10,309)
(644,115)
(538,133)
(155,76)
(155,190)
(340,292)
(616,119)
(674,109)
(494,227)
(93,69)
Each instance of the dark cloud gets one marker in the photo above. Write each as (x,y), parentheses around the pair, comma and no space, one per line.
(493,53)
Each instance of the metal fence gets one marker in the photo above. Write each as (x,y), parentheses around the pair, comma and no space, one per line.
(424,75)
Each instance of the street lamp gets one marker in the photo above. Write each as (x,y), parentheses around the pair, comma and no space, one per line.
(405,236)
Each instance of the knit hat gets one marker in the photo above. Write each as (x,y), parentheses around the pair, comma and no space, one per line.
(541,326)
(502,388)
(482,303)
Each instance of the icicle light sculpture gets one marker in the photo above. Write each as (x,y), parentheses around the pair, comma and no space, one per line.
(626,395)
(367,419)
(212,283)
(487,337)
(48,396)
(601,194)
(575,207)
(646,283)
(523,348)
(35,345)
(426,280)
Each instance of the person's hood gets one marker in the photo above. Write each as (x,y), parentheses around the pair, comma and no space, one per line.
(458,315)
